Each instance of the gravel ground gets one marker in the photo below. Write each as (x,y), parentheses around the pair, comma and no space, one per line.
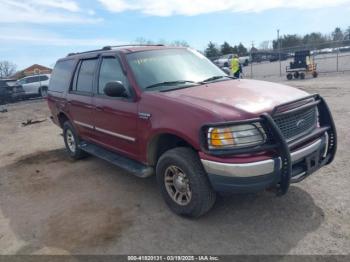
(50,204)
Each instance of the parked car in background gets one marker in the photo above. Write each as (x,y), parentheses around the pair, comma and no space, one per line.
(35,85)
(277,56)
(244,60)
(170,112)
(225,60)
(6,89)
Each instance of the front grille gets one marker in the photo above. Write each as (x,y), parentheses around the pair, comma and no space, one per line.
(296,125)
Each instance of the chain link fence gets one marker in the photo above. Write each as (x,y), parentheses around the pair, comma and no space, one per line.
(329,57)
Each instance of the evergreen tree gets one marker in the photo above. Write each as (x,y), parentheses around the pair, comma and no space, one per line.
(212,50)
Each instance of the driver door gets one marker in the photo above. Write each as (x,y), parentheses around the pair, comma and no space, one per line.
(115,118)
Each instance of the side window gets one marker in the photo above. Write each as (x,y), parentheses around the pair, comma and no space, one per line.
(35,79)
(84,78)
(61,76)
(110,71)
(43,78)
(29,80)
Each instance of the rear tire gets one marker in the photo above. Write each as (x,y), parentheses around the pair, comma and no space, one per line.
(184,183)
(296,75)
(71,141)
(302,75)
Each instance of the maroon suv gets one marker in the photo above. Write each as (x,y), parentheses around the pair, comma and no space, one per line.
(171,112)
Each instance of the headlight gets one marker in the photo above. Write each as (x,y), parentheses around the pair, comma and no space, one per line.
(235,136)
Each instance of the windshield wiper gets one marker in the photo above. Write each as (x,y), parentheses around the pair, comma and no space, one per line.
(170,83)
(213,78)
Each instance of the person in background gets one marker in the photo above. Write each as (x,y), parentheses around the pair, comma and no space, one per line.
(235,66)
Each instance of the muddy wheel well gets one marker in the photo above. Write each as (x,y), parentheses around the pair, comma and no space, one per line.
(62,118)
(161,144)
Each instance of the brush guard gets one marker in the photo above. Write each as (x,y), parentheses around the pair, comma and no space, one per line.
(276,141)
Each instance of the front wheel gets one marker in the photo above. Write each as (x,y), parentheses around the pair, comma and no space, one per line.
(43,92)
(184,183)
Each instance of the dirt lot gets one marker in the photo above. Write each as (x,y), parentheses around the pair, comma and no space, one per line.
(52,205)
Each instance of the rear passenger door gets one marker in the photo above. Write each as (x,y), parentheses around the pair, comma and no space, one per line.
(79,99)
(115,118)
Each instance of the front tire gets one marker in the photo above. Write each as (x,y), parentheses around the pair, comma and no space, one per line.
(184,183)
(43,91)
(71,141)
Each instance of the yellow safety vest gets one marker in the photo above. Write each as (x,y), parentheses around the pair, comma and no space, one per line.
(234,65)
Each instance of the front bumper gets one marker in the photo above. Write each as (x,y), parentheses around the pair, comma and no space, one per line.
(293,161)
(257,176)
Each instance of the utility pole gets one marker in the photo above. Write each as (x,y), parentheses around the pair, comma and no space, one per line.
(279,50)
(251,60)
(338,59)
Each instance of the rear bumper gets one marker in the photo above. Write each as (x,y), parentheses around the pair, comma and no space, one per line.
(257,176)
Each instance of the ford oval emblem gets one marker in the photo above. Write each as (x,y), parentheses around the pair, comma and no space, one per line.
(301,123)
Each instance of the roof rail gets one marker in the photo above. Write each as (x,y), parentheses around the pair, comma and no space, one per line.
(85,52)
(105,48)
(131,45)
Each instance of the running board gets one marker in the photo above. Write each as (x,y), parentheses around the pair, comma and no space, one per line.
(116,159)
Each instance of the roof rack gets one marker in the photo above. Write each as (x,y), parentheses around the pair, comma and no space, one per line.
(131,45)
(105,48)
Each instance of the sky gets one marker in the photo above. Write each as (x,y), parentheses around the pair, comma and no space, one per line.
(42,31)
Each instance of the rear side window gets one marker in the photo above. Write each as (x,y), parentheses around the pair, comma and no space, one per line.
(61,76)
(43,78)
(34,79)
(84,76)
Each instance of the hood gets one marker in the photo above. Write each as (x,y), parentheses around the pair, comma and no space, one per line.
(238,99)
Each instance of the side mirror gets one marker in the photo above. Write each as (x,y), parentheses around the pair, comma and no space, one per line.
(115,89)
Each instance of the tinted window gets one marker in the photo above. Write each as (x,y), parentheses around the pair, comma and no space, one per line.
(29,80)
(110,71)
(61,76)
(21,82)
(85,77)
(43,78)
(35,79)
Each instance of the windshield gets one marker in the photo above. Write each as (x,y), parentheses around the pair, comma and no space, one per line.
(169,68)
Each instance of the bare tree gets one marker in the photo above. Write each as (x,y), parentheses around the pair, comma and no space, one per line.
(180,43)
(264,45)
(338,34)
(144,41)
(7,69)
